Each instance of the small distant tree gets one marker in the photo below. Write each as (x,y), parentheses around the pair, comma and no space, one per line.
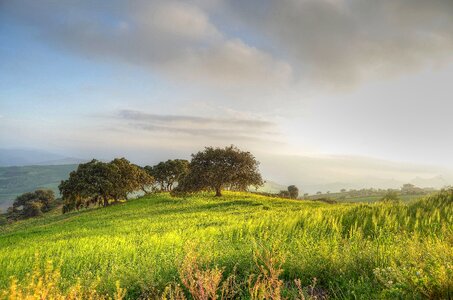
(293,191)
(411,189)
(284,194)
(390,196)
(31,204)
(318,193)
(44,197)
(220,168)
(343,190)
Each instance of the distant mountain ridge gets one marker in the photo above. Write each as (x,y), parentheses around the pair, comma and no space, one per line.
(27,157)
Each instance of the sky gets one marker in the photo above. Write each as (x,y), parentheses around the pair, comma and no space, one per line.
(349,92)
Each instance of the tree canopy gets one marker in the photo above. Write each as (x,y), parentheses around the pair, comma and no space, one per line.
(221,168)
(31,204)
(97,182)
(168,173)
(391,196)
(293,191)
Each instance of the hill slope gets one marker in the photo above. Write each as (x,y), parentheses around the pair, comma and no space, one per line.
(27,157)
(365,251)
(17,180)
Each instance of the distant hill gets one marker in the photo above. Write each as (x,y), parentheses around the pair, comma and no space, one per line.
(17,180)
(271,187)
(27,157)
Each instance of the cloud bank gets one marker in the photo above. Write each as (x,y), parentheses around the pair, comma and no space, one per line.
(244,44)
(342,42)
(218,128)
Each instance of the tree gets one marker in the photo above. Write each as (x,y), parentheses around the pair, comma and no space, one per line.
(97,182)
(127,178)
(293,191)
(177,169)
(32,209)
(411,189)
(169,172)
(31,204)
(145,180)
(158,172)
(92,182)
(220,168)
(284,194)
(390,196)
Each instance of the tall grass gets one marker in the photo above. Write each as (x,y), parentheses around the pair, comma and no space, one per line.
(355,251)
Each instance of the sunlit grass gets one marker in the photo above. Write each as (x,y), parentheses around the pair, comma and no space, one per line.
(353,250)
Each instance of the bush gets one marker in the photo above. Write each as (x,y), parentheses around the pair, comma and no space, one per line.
(31,204)
(391,196)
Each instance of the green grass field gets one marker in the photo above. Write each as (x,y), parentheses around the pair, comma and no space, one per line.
(355,251)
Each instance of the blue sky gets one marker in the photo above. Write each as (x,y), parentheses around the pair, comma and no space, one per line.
(290,81)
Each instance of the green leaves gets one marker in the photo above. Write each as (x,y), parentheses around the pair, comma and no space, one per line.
(31,204)
(169,172)
(97,182)
(220,168)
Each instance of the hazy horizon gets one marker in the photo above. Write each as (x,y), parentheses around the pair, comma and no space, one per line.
(322,92)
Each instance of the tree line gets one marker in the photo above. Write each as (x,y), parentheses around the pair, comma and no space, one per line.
(106,183)
(212,169)
(101,183)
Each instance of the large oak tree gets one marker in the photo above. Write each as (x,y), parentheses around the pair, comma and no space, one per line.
(221,168)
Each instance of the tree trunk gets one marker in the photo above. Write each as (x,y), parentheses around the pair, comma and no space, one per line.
(106,201)
(218,192)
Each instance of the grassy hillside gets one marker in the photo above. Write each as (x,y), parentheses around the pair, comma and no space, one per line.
(353,250)
(17,180)
(371,199)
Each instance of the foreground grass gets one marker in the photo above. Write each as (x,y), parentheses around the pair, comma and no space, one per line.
(353,250)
